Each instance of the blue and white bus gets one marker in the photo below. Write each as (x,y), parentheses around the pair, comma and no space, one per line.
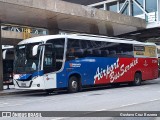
(73,61)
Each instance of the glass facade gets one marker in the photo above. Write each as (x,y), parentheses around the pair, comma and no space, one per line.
(135,9)
(99,7)
(151,5)
(112,7)
(145,9)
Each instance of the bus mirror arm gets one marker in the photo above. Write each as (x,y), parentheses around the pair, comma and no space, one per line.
(4,54)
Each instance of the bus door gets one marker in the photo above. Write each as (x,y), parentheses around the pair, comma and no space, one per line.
(49,66)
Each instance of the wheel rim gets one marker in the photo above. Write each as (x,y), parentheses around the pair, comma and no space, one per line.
(74,84)
(137,79)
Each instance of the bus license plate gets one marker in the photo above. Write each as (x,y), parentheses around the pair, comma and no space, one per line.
(23,84)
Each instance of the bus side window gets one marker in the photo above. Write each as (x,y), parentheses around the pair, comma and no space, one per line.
(79,53)
(97,53)
(48,59)
(104,53)
(73,48)
(70,54)
(58,52)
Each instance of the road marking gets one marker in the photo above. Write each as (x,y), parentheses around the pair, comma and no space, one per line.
(59,118)
(101,110)
(128,105)
(1,103)
(138,88)
(139,103)
(9,105)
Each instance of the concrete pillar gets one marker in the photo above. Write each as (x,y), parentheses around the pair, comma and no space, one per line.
(94,29)
(109,29)
(1,63)
(158,9)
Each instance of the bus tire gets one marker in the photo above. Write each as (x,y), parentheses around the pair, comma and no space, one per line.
(137,79)
(115,85)
(49,91)
(73,84)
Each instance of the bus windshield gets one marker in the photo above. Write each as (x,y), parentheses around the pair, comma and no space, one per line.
(24,61)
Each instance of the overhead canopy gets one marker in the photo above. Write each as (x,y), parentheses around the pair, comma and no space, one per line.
(60,15)
(151,34)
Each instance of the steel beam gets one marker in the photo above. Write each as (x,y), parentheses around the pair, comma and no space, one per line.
(123,6)
(130,8)
(118,6)
(140,7)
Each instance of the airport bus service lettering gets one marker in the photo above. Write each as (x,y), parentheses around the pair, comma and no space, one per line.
(110,72)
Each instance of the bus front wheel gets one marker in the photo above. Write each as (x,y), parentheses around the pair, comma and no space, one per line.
(137,79)
(73,84)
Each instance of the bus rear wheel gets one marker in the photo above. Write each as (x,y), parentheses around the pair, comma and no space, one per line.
(137,79)
(73,84)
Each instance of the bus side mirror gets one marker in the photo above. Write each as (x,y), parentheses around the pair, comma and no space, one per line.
(35,50)
(4,54)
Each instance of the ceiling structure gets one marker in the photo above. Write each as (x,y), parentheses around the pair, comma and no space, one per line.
(65,16)
(151,35)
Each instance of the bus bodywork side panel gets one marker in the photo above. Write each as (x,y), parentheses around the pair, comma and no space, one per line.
(97,71)
(107,70)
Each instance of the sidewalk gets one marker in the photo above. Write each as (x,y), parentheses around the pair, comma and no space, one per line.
(13,91)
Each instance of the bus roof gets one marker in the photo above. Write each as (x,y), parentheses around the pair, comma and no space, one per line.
(83,37)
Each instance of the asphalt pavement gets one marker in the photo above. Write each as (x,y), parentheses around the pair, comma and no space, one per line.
(91,101)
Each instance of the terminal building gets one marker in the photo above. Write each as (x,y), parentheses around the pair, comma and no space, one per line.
(135,19)
(149,10)
(145,9)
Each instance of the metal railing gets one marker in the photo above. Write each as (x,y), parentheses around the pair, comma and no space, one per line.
(26,31)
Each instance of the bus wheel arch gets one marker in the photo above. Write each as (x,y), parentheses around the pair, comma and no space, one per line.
(137,78)
(74,83)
